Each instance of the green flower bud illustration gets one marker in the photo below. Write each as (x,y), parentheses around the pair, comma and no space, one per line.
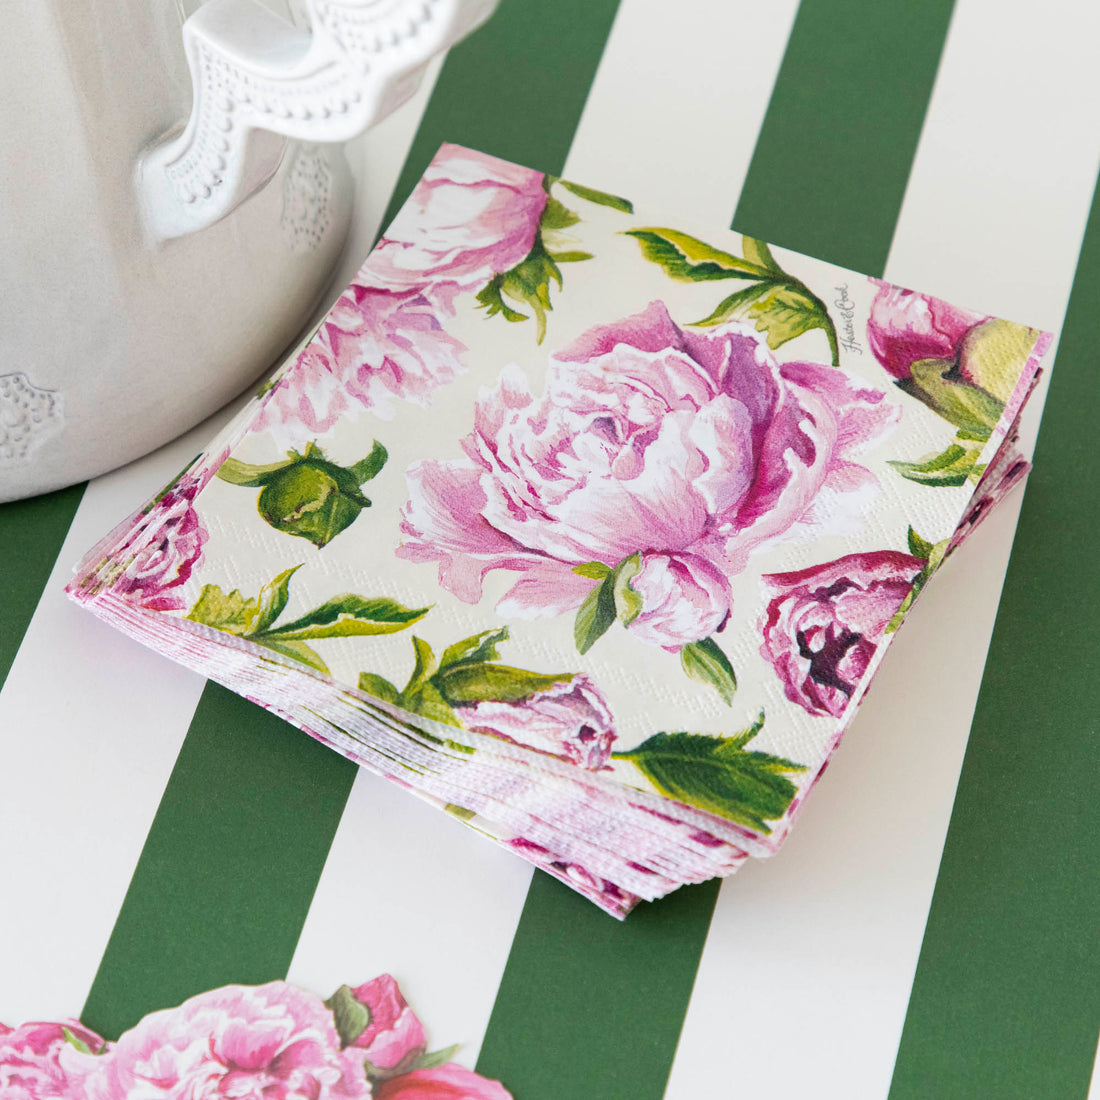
(306,495)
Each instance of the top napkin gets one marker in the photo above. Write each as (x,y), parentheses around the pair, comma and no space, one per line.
(644,502)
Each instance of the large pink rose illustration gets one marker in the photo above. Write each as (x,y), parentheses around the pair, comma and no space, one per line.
(394,1034)
(31,1064)
(470,218)
(570,719)
(374,345)
(271,1041)
(822,624)
(681,451)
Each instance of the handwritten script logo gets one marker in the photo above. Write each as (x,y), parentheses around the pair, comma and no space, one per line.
(846,309)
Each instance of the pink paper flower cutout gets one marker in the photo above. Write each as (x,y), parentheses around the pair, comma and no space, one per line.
(448,1082)
(570,719)
(470,218)
(694,448)
(822,624)
(32,1066)
(905,327)
(394,1034)
(268,1042)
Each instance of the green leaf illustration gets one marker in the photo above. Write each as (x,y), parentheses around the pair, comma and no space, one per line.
(705,662)
(347,615)
(528,283)
(691,260)
(379,686)
(351,1017)
(719,775)
(595,615)
(955,465)
(628,603)
(933,553)
(254,618)
(556,215)
(474,650)
(305,494)
(466,684)
(74,1041)
(601,198)
(593,570)
(781,306)
(757,252)
(439,1057)
(936,382)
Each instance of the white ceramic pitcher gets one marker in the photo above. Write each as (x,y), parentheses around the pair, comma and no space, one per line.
(170,207)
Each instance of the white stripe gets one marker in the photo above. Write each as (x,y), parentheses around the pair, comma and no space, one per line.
(1094,1084)
(91,722)
(826,937)
(428,900)
(677,102)
(90,725)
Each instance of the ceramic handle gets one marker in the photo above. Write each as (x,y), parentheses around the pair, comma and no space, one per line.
(258,81)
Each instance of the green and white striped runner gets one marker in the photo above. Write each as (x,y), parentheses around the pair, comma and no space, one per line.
(164,837)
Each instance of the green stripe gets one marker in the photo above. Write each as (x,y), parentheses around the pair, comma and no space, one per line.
(225,880)
(31,534)
(832,161)
(1006,1000)
(590,1007)
(230,864)
(587,1006)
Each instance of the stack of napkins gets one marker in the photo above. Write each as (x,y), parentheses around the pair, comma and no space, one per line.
(590,528)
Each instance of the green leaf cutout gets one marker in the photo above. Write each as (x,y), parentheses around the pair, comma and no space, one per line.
(953,466)
(719,775)
(306,495)
(601,198)
(438,1057)
(75,1041)
(705,662)
(351,1017)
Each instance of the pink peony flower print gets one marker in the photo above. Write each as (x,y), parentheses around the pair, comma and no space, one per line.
(268,1042)
(394,1034)
(570,719)
(600,890)
(162,547)
(905,327)
(448,1082)
(470,218)
(31,1063)
(374,345)
(822,624)
(694,448)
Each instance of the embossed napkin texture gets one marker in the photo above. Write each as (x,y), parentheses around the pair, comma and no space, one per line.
(588,526)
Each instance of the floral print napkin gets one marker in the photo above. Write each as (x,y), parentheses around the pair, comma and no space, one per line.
(590,530)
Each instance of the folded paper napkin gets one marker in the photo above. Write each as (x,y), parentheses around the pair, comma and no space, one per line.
(589,530)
